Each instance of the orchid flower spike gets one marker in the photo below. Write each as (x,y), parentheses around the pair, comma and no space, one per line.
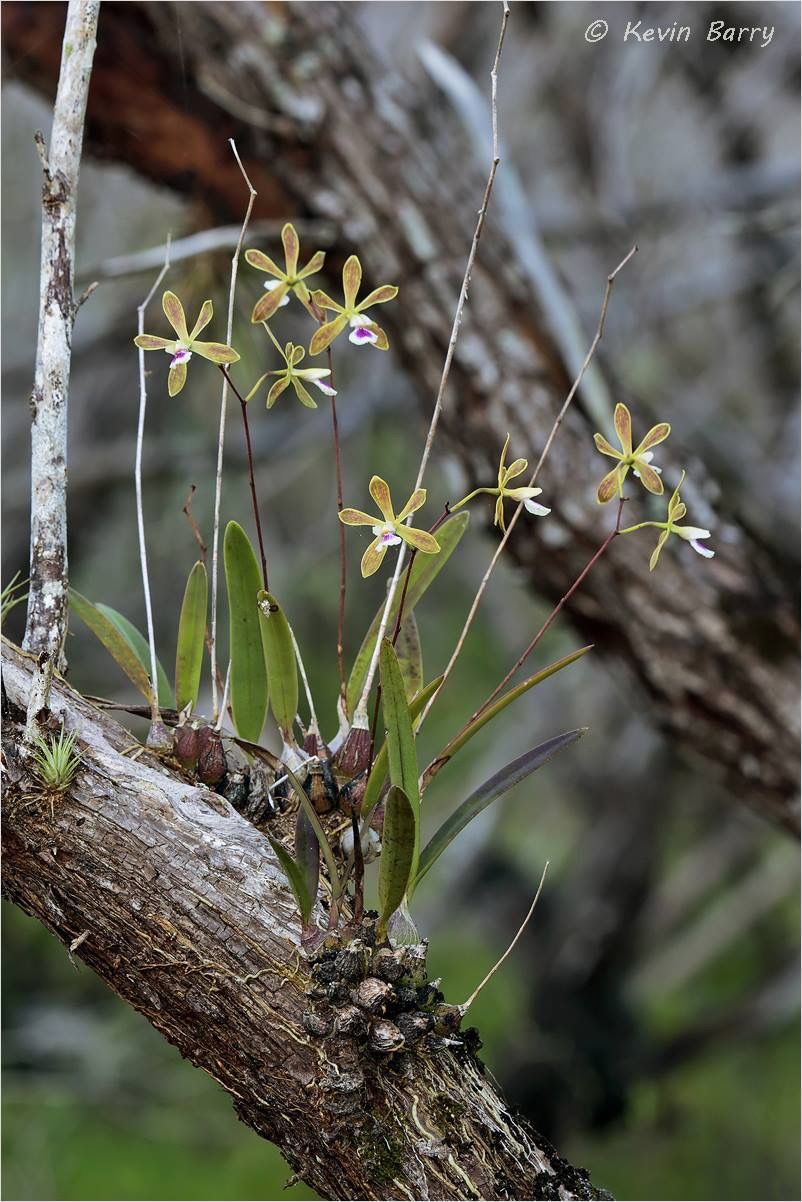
(640,460)
(364,332)
(291,374)
(692,534)
(286,281)
(185,345)
(505,474)
(392,529)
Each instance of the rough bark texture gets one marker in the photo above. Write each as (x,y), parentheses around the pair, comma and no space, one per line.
(179,904)
(325,131)
(47,598)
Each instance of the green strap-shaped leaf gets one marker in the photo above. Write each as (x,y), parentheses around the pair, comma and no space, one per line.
(282,669)
(317,827)
(424,570)
(489,792)
(139,645)
(248,688)
(401,753)
(378,773)
(191,637)
(297,881)
(115,643)
(399,835)
(410,655)
(493,710)
(307,852)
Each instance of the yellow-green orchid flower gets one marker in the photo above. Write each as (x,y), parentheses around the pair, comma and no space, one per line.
(185,345)
(505,474)
(392,529)
(676,511)
(291,374)
(364,332)
(289,280)
(640,460)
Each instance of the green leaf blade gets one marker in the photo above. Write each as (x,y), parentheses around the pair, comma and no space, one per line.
(401,751)
(492,711)
(141,649)
(115,643)
(191,638)
(490,791)
(410,655)
(378,772)
(399,838)
(249,687)
(424,571)
(280,663)
(297,881)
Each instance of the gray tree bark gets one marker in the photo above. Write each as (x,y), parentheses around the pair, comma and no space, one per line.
(326,131)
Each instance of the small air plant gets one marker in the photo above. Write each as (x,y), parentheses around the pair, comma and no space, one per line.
(56,760)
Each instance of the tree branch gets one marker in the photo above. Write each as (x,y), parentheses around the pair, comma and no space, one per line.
(47,599)
(179,904)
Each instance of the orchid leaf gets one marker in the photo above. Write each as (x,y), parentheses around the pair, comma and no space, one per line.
(424,571)
(140,648)
(317,827)
(399,840)
(279,656)
(191,637)
(401,752)
(410,655)
(378,772)
(307,853)
(249,687)
(489,792)
(115,643)
(297,880)
(496,708)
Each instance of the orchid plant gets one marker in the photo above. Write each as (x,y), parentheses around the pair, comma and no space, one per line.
(360,794)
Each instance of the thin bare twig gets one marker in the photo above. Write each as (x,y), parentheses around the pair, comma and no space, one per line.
(466,1005)
(513,520)
(218,488)
(360,715)
(343,562)
(186,509)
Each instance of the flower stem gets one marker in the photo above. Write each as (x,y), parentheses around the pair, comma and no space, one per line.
(471,495)
(554,613)
(343,572)
(244,407)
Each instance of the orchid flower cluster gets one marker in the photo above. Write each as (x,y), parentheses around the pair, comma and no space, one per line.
(639,460)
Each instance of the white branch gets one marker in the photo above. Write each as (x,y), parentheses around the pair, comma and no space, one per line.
(47,600)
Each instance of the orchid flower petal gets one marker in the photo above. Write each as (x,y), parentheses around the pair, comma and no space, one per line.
(380,491)
(372,559)
(539,511)
(623,427)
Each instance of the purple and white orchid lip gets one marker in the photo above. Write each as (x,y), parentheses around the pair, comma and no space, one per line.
(361,334)
(386,535)
(271,286)
(180,354)
(317,376)
(706,551)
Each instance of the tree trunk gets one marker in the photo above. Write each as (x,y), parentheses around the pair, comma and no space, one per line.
(326,131)
(179,904)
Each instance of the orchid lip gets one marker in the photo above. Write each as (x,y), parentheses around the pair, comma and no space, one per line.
(361,336)
(180,355)
(386,536)
(705,551)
